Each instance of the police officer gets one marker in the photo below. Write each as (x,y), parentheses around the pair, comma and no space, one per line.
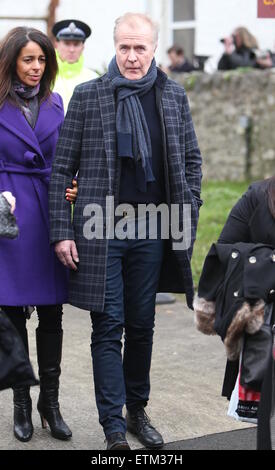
(70,36)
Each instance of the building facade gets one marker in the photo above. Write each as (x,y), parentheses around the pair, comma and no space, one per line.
(197,25)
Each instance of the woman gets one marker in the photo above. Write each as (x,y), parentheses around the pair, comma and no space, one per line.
(239,50)
(252,219)
(31,275)
(251,222)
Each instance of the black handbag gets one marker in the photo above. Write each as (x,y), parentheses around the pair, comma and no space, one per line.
(257,350)
(15,367)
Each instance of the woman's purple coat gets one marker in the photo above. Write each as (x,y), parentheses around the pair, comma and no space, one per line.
(30,273)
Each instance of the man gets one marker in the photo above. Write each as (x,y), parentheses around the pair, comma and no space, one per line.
(70,36)
(178,62)
(130,135)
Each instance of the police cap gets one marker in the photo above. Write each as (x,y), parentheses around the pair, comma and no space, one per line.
(71,30)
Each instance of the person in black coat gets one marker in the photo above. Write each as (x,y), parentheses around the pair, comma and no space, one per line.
(178,61)
(251,221)
(240,50)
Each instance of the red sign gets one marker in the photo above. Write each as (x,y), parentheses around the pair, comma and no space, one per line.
(266,8)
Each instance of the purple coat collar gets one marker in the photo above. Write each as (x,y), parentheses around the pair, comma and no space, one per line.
(50,117)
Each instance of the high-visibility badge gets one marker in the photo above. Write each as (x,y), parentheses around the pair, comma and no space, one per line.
(266,8)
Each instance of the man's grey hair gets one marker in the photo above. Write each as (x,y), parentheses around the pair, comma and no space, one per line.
(130,18)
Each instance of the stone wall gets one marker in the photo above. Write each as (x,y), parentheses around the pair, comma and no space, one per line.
(234,118)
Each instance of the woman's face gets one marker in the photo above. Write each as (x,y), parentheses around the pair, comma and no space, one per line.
(237,39)
(30,64)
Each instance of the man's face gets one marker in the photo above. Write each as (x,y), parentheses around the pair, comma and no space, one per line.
(175,59)
(69,51)
(135,48)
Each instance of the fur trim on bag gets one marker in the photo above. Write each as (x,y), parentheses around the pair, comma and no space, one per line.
(247,319)
(204,315)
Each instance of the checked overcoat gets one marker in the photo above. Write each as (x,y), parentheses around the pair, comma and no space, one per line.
(87,145)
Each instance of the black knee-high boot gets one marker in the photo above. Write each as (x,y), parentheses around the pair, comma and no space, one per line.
(49,350)
(23,427)
(22,415)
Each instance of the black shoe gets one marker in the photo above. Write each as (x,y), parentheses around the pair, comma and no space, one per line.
(23,427)
(117,441)
(138,423)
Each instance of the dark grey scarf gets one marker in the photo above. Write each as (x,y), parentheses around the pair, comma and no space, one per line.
(27,98)
(133,137)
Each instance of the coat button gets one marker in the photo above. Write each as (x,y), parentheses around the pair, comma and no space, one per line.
(235,254)
(252,259)
(236,293)
(272,291)
(273,258)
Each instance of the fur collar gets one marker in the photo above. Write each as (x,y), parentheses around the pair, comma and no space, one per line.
(249,319)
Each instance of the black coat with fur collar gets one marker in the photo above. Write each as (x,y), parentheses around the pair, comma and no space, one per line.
(236,282)
(231,284)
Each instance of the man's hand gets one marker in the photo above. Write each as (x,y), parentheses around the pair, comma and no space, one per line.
(67,253)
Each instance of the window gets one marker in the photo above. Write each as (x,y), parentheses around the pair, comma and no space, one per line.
(184,10)
(183,25)
(40,16)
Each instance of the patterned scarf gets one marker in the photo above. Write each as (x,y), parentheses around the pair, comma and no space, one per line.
(27,98)
(133,138)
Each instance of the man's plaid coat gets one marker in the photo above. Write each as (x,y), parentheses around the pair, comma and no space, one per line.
(87,145)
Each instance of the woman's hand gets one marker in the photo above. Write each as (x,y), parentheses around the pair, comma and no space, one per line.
(11,199)
(71,193)
(229,45)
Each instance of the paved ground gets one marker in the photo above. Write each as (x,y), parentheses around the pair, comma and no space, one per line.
(186,379)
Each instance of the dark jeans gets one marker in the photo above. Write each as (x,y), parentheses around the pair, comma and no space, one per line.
(133,269)
(49,316)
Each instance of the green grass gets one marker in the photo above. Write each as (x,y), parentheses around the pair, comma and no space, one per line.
(219,198)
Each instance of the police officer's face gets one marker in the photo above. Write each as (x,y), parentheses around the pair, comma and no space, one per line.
(135,48)
(69,51)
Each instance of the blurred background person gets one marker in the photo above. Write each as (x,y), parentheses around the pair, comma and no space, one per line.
(178,62)
(240,50)
(31,275)
(70,37)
